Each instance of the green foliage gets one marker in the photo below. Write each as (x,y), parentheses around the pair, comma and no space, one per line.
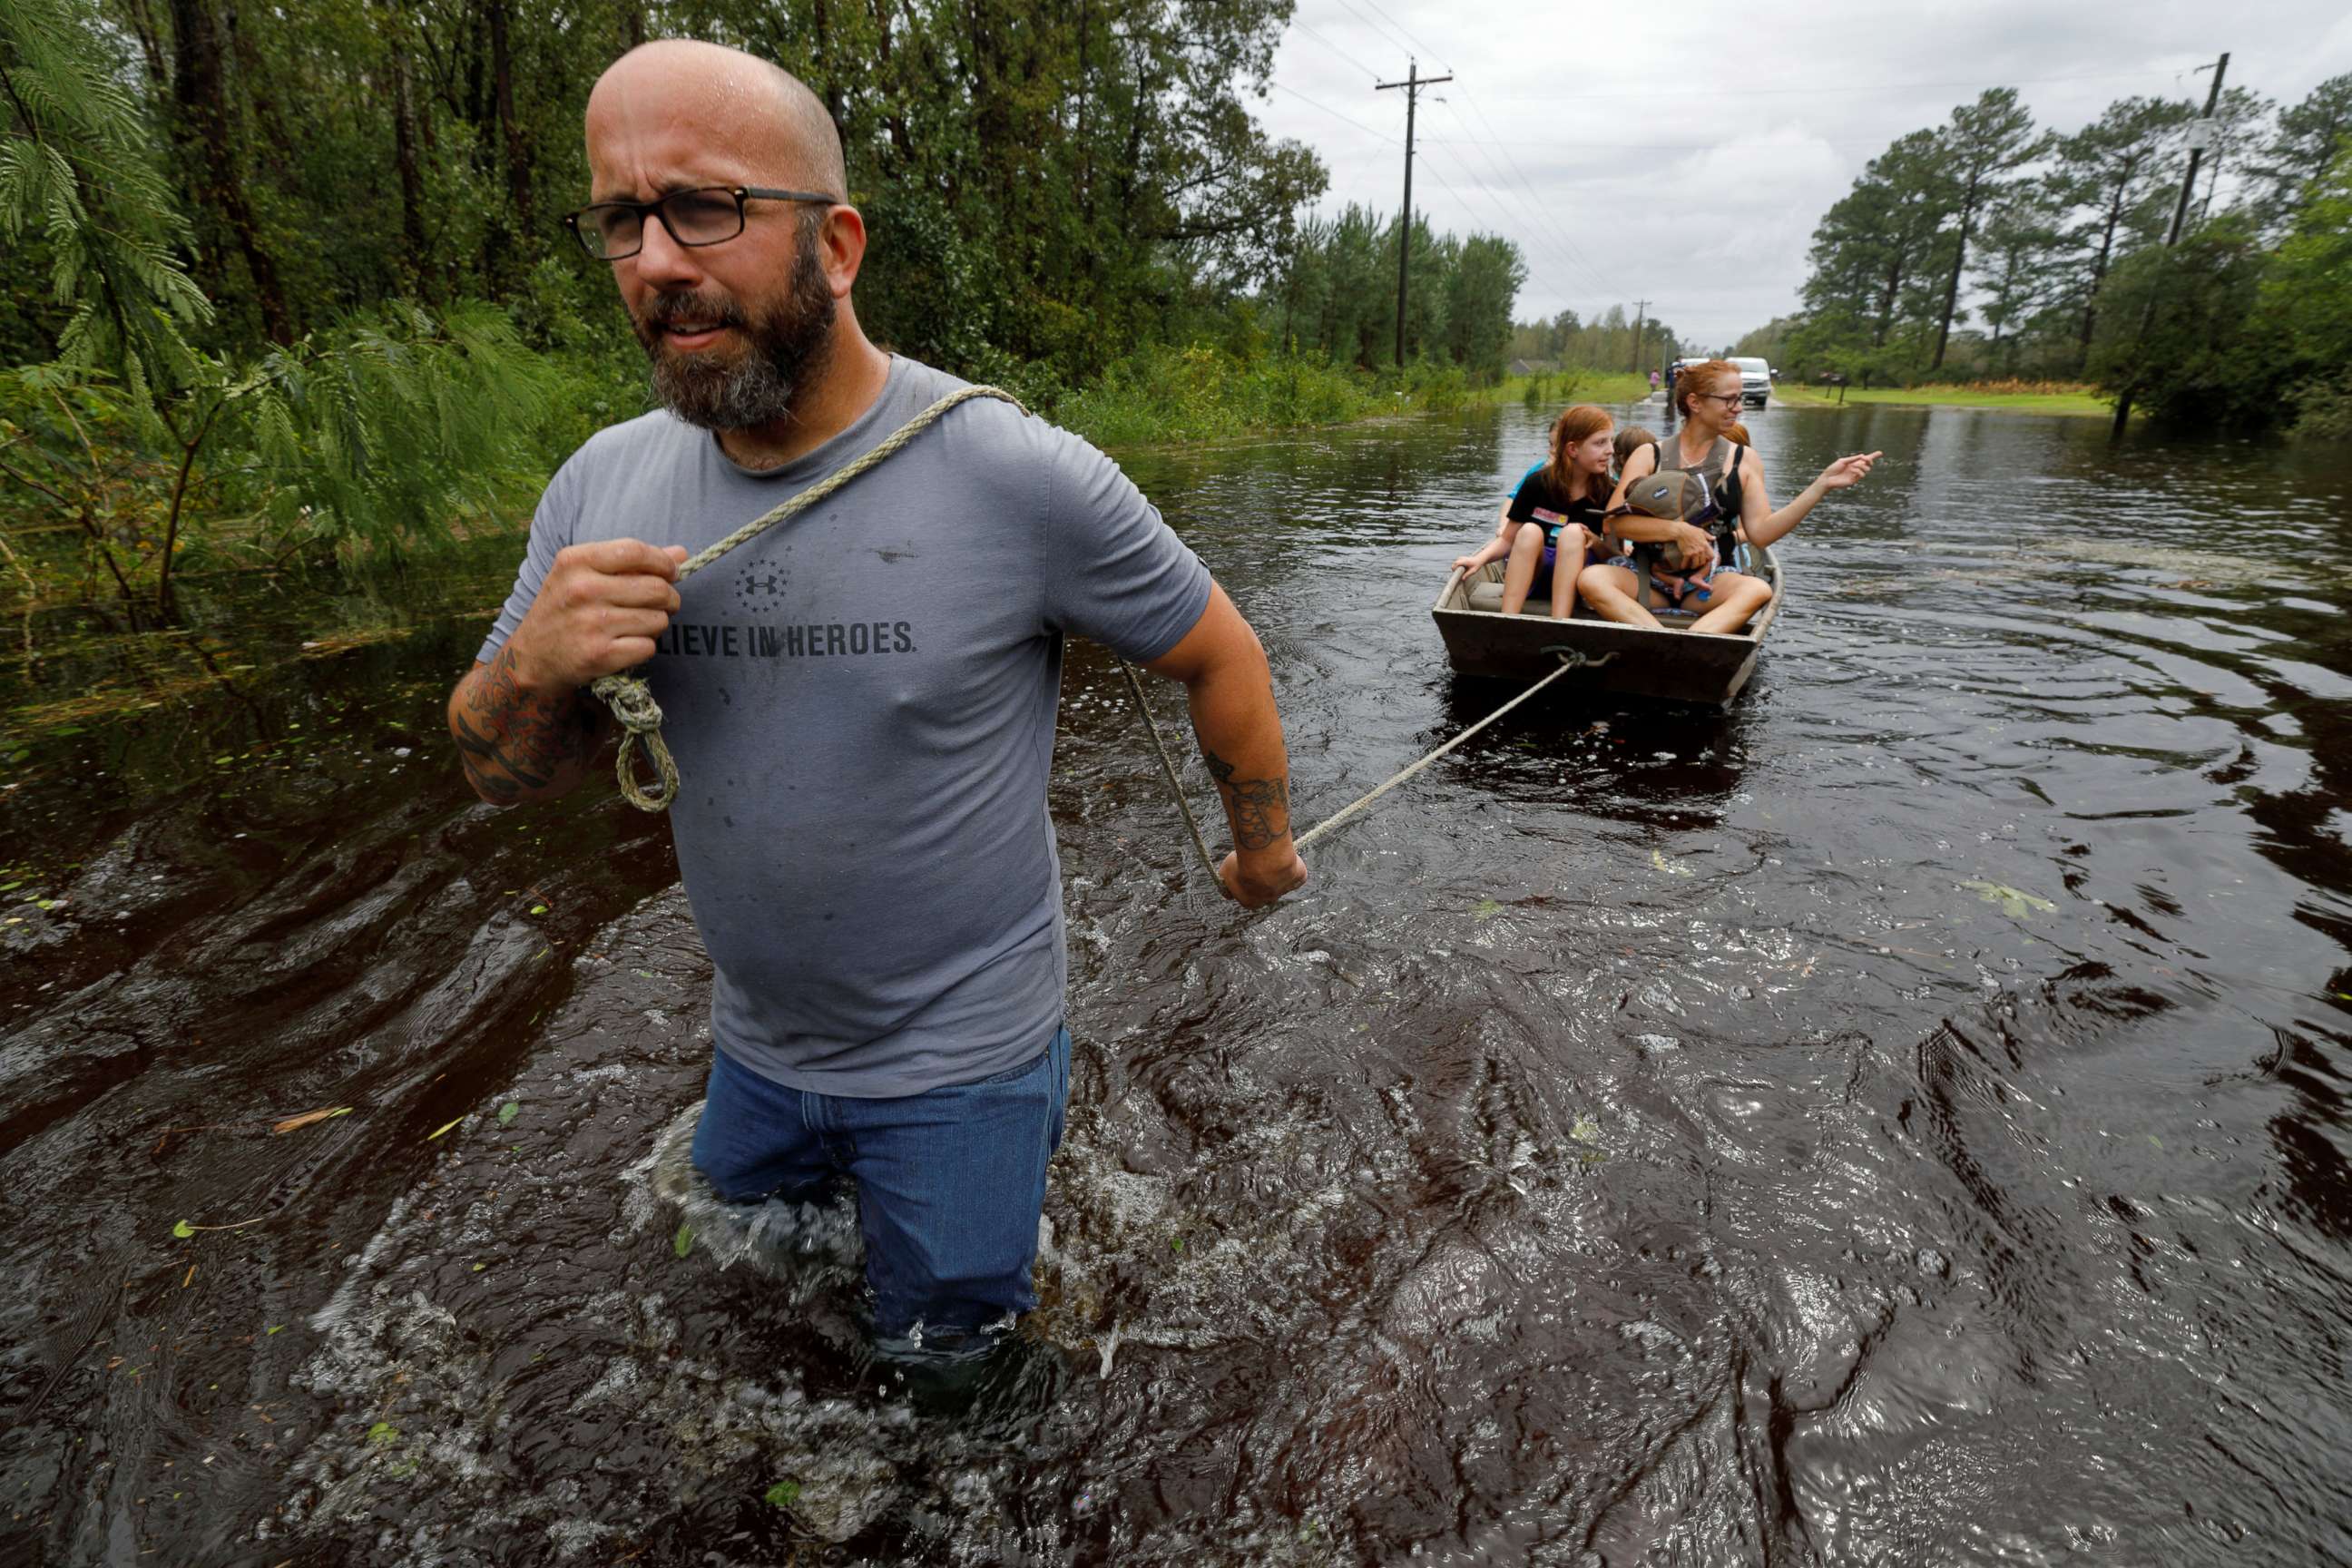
(382,431)
(2057,240)
(1768,342)
(1984,144)
(1607,345)
(1164,394)
(1480,290)
(1982,248)
(2309,137)
(1336,299)
(2306,303)
(79,173)
(2200,358)
(2238,336)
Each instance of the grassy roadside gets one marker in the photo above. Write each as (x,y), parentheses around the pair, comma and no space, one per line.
(1562,387)
(1168,397)
(2073,402)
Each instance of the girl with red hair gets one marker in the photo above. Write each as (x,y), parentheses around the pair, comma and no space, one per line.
(1553,518)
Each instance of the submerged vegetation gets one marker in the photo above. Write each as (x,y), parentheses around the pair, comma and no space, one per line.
(291,287)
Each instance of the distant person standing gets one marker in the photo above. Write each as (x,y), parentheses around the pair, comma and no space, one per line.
(1653,378)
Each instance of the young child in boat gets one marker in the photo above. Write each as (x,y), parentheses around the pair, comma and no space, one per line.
(1551,524)
(1630,440)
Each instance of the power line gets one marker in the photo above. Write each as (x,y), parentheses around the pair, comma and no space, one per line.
(1358,163)
(1535,230)
(1331,111)
(1591,295)
(1416,43)
(1335,48)
(1578,144)
(1528,186)
(2143,74)
(1539,213)
(1386,37)
(1546,283)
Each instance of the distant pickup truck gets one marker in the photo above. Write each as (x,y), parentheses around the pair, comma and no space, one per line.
(1755,381)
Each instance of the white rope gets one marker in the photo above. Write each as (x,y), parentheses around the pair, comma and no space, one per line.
(1569,659)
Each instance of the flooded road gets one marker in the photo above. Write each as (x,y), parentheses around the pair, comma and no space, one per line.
(1901,1121)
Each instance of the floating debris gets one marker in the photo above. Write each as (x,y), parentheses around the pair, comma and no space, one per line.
(309,1118)
(2015,902)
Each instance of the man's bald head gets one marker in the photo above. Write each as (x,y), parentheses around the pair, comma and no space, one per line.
(762,112)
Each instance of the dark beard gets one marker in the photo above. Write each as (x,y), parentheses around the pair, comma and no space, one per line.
(785,350)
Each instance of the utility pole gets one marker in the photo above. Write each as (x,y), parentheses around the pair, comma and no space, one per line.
(2200,136)
(1640,314)
(1413,83)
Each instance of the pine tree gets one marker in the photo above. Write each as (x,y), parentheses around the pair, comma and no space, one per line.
(2114,174)
(1984,144)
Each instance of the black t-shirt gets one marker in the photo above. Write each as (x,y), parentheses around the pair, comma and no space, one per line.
(1537,492)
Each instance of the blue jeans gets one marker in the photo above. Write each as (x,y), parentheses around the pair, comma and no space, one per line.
(951,1183)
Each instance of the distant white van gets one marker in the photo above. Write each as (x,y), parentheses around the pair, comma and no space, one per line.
(1755,381)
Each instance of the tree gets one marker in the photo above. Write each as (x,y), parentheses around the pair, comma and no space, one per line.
(2017,272)
(2306,304)
(2116,173)
(1876,256)
(379,430)
(1478,297)
(2308,140)
(1984,142)
(2241,123)
(2203,358)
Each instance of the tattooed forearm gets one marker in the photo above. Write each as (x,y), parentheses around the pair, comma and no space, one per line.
(516,744)
(1260,808)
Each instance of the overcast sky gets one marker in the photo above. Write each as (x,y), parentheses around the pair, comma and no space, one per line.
(1581,131)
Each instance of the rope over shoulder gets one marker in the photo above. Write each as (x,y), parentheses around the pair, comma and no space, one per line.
(629,696)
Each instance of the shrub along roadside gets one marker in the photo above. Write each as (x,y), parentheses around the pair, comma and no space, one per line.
(1202,392)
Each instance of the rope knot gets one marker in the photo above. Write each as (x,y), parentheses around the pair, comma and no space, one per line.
(632,705)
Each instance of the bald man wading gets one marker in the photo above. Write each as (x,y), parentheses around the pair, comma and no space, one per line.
(861,700)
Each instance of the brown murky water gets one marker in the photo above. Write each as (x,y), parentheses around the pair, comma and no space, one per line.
(1903,1121)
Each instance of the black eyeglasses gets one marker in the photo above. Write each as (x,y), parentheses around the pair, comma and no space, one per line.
(1730,399)
(614,231)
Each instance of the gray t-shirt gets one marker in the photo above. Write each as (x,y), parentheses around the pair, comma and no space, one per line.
(861,702)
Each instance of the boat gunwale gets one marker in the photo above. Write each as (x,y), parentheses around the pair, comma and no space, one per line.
(1753,632)
(1706,672)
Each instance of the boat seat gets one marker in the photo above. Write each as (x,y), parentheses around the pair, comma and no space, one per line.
(1488,596)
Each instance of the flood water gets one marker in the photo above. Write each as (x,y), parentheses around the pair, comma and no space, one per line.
(1901,1121)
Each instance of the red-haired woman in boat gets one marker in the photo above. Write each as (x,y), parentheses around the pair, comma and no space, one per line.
(1707,396)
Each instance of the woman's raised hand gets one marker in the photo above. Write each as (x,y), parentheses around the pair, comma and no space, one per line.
(1849,470)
